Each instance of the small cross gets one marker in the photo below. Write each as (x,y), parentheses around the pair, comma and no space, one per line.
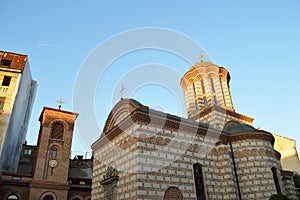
(122,91)
(60,102)
(201,57)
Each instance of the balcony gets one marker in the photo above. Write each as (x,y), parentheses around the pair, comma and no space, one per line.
(3,89)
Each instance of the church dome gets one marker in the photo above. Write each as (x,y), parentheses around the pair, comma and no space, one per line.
(206,84)
(202,64)
(239,128)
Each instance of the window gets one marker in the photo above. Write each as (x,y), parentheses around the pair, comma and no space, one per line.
(6,62)
(194,89)
(203,88)
(275,177)
(195,97)
(11,197)
(16,178)
(212,85)
(54,153)
(76,182)
(27,152)
(196,104)
(2,100)
(173,193)
(48,197)
(215,100)
(205,101)
(199,183)
(6,81)
(222,90)
(57,131)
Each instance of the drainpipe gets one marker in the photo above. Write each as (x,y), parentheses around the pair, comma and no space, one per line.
(235,170)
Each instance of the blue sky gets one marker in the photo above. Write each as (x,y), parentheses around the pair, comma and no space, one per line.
(257,41)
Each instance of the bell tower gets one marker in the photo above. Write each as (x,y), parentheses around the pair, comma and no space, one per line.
(207,94)
(50,175)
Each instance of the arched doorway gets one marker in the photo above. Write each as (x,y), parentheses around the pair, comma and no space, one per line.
(173,193)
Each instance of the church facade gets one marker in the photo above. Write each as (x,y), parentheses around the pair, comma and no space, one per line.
(215,153)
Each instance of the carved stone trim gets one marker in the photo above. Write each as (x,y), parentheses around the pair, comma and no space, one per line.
(109,180)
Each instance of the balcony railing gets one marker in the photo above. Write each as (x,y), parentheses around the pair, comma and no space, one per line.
(3,89)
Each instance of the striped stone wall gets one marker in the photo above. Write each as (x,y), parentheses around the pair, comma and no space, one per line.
(154,152)
(152,159)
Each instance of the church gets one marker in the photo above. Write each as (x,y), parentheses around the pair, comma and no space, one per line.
(214,153)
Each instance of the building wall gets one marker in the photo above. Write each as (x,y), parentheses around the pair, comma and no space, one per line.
(27,159)
(149,160)
(19,98)
(289,156)
(219,118)
(21,191)
(125,160)
(9,93)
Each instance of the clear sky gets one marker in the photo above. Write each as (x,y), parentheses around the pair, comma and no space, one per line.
(257,41)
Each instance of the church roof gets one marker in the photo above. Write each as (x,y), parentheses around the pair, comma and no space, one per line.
(137,103)
(239,128)
(129,112)
(202,64)
(125,107)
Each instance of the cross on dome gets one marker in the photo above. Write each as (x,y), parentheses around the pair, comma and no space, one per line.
(201,57)
(122,91)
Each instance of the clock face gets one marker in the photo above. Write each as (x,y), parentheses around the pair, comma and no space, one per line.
(52,163)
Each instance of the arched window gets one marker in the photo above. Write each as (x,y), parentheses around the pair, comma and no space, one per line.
(195,97)
(205,101)
(54,152)
(57,131)
(203,93)
(173,193)
(11,197)
(215,100)
(48,197)
(199,183)
(202,86)
(275,177)
(212,85)
(221,84)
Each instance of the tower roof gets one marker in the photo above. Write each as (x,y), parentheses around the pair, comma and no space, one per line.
(56,110)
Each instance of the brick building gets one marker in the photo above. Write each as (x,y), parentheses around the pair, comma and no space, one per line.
(215,153)
(45,171)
